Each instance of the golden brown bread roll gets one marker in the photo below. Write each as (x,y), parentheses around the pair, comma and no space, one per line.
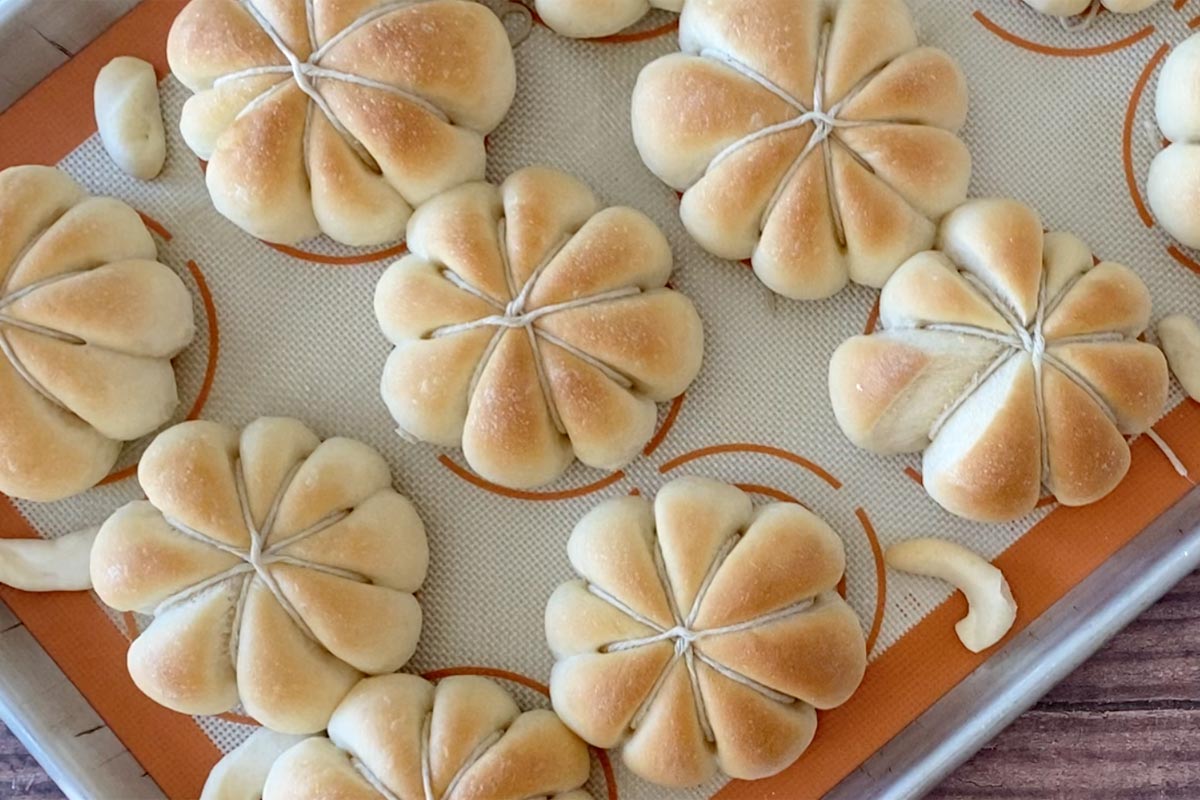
(1010,360)
(278,568)
(533,327)
(402,738)
(590,19)
(703,633)
(326,116)
(815,138)
(89,323)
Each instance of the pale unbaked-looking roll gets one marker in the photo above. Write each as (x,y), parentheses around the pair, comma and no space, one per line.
(129,118)
(1173,184)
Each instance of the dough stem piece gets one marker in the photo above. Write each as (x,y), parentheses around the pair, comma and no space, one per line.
(48,565)
(1179,337)
(991,608)
(129,116)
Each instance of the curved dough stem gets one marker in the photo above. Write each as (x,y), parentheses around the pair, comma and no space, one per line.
(991,608)
(48,565)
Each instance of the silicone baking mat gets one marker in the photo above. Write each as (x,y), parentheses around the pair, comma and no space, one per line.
(1060,119)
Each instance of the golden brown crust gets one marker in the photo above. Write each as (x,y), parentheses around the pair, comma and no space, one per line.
(752,625)
(814,197)
(533,328)
(1008,358)
(88,325)
(1087,455)
(465,738)
(405,99)
(285,617)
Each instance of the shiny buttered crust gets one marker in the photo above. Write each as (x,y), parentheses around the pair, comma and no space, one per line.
(338,116)
(1173,183)
(404,738)
(703,632)
(278,569)
(1011,360)
(812,200)
(588,19)
(89,322)
(532,327)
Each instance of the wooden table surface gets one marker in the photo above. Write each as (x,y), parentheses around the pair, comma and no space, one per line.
(1125,725)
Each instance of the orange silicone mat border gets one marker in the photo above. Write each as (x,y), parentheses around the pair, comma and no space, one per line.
(1052,557)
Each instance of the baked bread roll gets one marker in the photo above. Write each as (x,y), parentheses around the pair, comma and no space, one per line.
(1173,185)
(703,633)
(533,327)
(89,322)
(326,116)
(1010,360)
(402,738)
(278,568)
(814,137)
(590,19)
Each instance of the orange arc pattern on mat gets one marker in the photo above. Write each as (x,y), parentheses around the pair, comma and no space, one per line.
(880,577)
(339,261)
(764,449)
(1135,99)
(1183,259)
(210,367)
(1061,52)
(522,494)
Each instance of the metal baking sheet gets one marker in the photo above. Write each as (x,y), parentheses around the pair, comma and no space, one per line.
(87,760)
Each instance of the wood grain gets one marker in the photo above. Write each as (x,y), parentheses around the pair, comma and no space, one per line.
(1125,725)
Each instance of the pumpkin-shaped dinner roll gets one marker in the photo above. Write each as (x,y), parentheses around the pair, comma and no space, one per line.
(589,19)
(814,137)
(278,568)
(400,737)
(89,322)
(703,633)
(335,117)
(1011,360)
(533,327)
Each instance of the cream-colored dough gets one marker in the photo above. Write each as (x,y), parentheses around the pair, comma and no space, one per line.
(129,118)
(48,565)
